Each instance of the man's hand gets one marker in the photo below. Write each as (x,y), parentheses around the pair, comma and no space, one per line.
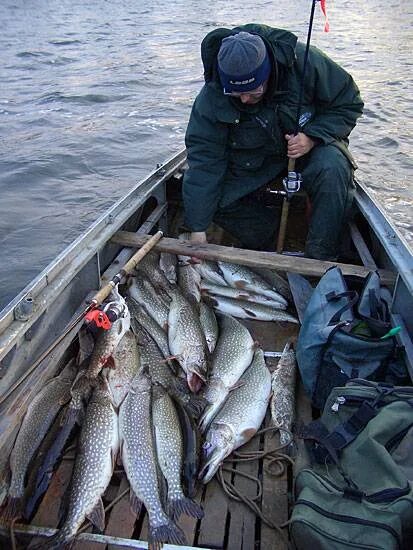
(298,145)
(198,237)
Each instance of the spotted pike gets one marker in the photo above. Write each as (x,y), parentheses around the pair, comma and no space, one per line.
(232,355)
(210,273)
(239,418)
(170,453)
(106,343)
(240,276)
(189,282)
(142,291)
(283,392)
(192,442)
(125,367)
(209,325)
(276,281)
(150,325)
(248,310)
(152,361)
(239,294)
(139,461)
(95,459)
(187,340)
(149,266)
(168,263)
(39,416)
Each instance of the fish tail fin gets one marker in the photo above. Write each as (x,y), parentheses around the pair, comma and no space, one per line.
(184,505)
(168,532)
(13,509)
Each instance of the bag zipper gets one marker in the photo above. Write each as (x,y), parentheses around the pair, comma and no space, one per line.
(350,519)
(386,495)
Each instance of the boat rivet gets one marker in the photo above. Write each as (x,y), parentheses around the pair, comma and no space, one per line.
(24,309)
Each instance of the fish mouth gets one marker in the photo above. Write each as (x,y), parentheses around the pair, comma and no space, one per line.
(207,417)
(195,380)
(211,466)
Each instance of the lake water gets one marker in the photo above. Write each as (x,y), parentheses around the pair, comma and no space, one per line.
(94,94)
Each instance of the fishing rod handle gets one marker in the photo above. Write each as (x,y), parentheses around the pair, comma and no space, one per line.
(130,265)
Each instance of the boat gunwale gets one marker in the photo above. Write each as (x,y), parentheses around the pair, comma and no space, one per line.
(54,279)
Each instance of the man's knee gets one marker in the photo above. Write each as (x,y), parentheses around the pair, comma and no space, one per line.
(327,170)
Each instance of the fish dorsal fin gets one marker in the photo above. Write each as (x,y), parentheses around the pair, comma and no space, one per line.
(97,516)
(135,502)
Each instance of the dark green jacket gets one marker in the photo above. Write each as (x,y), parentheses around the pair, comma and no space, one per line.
(234,149)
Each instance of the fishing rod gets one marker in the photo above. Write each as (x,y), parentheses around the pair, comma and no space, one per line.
(292,182)
(101,319)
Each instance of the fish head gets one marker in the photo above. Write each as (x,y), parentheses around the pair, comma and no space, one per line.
(218,444)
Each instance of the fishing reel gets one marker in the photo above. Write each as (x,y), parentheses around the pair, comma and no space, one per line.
(292,183)
(105,315)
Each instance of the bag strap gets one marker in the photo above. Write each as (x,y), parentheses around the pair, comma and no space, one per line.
(329,444)
(333,295)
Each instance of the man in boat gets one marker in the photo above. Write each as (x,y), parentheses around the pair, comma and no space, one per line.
(241,134)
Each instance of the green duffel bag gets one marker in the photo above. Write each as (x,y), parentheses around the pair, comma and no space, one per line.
(324,519)
(359,493)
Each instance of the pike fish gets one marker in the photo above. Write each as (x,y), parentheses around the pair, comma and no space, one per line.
(126,366)
(170,453)
(240,417)
(248,310)
(149,266)
(239,294)
(187,341)
(210,273)
(139,461)
(46,459)
(209,325)
(232,355)
(276,281)
(39,416)
(283,392)
(192,444)
(152,361)
(240,276)
(95,459)
(168,263)
(189,282)
(142,291)
(106,343)
(149,324)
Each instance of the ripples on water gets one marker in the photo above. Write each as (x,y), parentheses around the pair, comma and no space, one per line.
(95,94)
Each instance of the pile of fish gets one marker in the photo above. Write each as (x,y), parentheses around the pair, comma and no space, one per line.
(167,377)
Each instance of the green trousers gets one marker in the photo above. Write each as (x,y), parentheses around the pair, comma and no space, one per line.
(328,179)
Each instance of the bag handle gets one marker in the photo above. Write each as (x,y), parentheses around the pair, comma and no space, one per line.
(352,300)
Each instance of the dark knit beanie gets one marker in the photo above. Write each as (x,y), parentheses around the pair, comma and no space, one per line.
(243,62)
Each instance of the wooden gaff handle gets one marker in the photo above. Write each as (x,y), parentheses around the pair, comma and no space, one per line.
(284,213)
(104,292)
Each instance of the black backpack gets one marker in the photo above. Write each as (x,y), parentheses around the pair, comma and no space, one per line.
(345,334)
